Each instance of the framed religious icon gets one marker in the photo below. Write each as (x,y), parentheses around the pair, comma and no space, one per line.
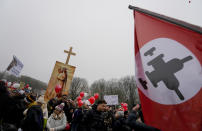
(62,76)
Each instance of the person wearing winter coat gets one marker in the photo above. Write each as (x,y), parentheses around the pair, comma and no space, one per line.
(69,106)
(8,109)
(108,118)
(33,115)
(94,118)
(52,103)
(120,123)
(43,107)
(44,110)
(136,125)
(57,121)
(77,117)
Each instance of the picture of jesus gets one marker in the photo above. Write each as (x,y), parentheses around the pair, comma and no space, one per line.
(62,78)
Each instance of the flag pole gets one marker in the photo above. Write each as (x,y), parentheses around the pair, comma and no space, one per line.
(181,23)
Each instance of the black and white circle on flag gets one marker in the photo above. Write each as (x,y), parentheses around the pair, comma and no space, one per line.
(171,73)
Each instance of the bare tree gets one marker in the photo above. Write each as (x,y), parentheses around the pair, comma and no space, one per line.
(129,89)
(125,88)
(98,87)
(78,85)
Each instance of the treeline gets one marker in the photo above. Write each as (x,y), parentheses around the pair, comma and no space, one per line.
(37,85)
(125,87)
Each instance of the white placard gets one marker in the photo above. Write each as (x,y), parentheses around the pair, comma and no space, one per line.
(111,99)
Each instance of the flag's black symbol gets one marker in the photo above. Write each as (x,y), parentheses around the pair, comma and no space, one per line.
(150,51)
(165,71)
(143,83)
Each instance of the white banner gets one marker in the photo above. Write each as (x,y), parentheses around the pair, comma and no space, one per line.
(15,66)
(111,99)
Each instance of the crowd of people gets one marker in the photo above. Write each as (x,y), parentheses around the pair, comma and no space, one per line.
(29,112)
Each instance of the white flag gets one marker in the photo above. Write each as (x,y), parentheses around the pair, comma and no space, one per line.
(15,66)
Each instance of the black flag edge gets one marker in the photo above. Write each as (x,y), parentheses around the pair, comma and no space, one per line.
(183,24)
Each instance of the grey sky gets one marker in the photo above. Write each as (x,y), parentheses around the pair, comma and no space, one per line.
(100,31)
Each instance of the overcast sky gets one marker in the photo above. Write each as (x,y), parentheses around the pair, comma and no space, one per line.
(100,31)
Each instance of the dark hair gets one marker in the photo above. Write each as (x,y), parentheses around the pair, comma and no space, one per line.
(101,102)
(125,112)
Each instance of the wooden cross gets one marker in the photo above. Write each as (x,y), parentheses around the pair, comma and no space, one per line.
(69,53)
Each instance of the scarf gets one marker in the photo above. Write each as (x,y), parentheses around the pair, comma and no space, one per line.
(58,117)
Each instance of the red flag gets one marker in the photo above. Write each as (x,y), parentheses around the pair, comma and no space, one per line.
(168,56)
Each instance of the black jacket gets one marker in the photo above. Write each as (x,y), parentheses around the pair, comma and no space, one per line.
(94,120)
(78,116)
(34,119)
(51,106)
(137,126)
(10,110)
(120,124)
(77,124)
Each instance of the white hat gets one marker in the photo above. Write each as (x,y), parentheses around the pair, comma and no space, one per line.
(16,85)
(21,92)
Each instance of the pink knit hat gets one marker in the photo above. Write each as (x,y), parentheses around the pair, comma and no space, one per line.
(60,107)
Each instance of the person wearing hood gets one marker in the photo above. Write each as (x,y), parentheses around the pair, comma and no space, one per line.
(94,118)
(33,115)
(57,121)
